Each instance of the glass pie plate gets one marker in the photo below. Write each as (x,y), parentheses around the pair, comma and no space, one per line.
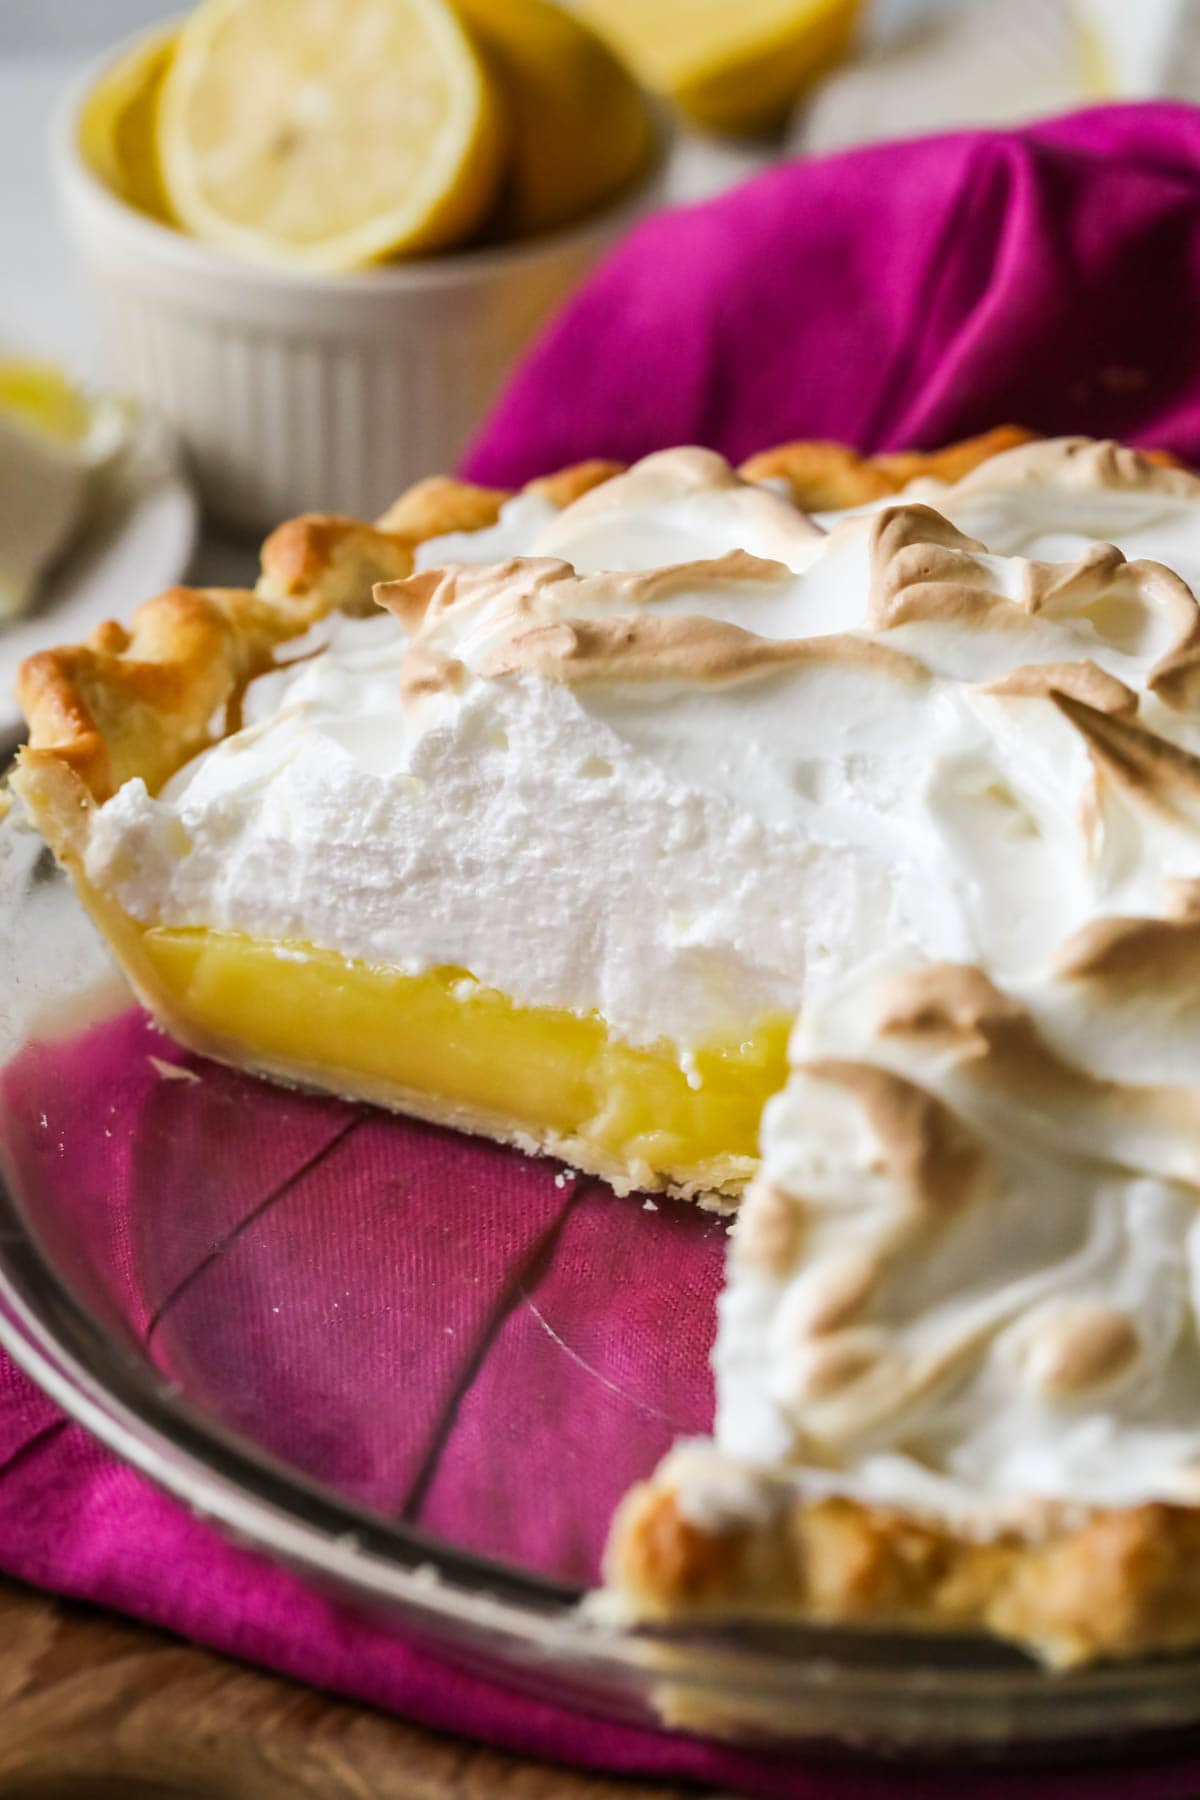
(421,1370)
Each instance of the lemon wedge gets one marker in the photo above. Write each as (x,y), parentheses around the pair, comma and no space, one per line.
(734,68)
(328,134)
(38,397)
(52,439)
(579,126)
(119,124)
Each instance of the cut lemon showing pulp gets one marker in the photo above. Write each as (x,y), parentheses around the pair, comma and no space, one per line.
(118,127)
(328,134)
(731,68)
(579,125)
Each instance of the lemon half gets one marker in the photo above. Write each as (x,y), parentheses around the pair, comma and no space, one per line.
(328,134)
(41,398)
(118,127)
(736,67)
(579,126)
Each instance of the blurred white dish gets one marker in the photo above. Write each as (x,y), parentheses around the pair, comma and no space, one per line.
(948,65)
(977,63)
(296,390)
(138,537)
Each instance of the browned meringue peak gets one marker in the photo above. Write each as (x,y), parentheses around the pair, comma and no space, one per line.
(537,616)
(695,650)
(925,571)
(907,573)
(1081,464)
(1051,500)
(522,583)
(673,506)
(960,1282)
(963,609)
(425,670)
(1140,976)
(1118,954)
(1148,771)
(992,1046)
(1175,678)
(1084,681)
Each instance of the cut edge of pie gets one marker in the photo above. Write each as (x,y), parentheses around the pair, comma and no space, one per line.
(1087,1583)
(144,700)
(1091,1583)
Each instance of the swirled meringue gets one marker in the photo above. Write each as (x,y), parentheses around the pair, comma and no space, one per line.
(967,1280)
(689,756)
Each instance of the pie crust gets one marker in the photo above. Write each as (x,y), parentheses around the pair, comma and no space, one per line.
(1078,1583)
(1114,1582)
(144,700)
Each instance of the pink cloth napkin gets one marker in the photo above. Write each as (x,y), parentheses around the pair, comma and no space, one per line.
(893,297)
(274,1251)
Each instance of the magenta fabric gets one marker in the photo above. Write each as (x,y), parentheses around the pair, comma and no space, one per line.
(300,1267)
(892,296)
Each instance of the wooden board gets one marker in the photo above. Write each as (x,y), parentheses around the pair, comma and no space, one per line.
(93,1708)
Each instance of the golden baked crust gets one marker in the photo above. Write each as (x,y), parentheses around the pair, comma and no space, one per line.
(333,562)
(572,483)
(1111,1583)
(142,701)
(441,503)
(826,477)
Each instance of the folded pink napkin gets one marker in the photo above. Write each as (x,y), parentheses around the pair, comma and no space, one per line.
(283,1256)
(894,297)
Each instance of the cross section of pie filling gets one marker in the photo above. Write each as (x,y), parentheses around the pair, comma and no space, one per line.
(555,825)
(555,837)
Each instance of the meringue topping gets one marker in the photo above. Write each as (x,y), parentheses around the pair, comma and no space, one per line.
(966,1282)
(792,741)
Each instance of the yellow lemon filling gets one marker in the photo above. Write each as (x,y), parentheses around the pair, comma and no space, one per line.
(442,1034)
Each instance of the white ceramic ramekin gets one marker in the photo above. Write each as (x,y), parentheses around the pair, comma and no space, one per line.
(295,392)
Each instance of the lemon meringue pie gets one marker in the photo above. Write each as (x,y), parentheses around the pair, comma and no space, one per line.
(600,816)
(429,849)
(959,1349)
(957,1357)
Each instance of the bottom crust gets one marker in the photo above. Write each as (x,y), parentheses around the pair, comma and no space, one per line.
(717,1187)
(1092,1584)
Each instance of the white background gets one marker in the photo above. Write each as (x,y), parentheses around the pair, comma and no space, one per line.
(44,45)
